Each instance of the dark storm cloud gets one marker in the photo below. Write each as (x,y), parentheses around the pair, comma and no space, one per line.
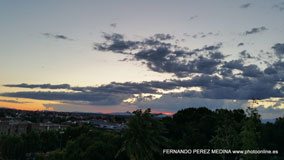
(57,36)
(246,5)
(255,30)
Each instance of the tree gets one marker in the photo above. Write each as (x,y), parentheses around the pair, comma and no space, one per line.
(227,132)
(250,134)
(143,137)
(94,144)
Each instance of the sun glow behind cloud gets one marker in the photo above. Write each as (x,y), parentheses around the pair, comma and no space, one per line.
(277,103)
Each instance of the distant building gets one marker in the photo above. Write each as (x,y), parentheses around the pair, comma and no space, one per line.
(107,125)
(22,127)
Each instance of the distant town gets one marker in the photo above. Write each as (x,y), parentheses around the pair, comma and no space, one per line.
(17,122)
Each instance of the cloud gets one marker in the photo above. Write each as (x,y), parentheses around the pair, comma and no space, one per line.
(205,68)
(278,49)
(240,44)
(246,5)
(87,97)
(251,71)
(57,36)
(235,80)
(279,6)
(253,83)
(125,88)
(193,17)
(12,101)
(234,64)
(162,56)
(42,86)
(255,30)
(245,55)
(163,37)
(113,25)
(270,112)
(201,35)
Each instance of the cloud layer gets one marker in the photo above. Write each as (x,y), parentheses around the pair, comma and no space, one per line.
(198,73)
(255,30)
(57,36)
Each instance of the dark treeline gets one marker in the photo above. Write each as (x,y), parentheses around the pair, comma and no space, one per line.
(146,137)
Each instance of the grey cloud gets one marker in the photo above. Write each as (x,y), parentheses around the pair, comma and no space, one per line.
(279,6)
(240,44)
(206,67)
(241,89)
(249,82)
(12,101)
(216,55)
(161,56)
(114,25)
(90,98)
(251,71)
(253,84)
(234,64)
(192,17)
(201,35)
(123,88)
(255,30)
(270,70)
(278,49)
(162,37)
(246,5)
(42,86)
(245,55)
(57,36)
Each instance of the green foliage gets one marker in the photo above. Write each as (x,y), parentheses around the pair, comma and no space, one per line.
(95,144)
(227,131)
(192,127)
(12,147)
(250,134)
(143,137)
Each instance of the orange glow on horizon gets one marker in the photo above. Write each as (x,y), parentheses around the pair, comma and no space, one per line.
(26,104)
(168,113)
(165,113)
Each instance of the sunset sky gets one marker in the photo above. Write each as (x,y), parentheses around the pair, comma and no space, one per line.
(117,56)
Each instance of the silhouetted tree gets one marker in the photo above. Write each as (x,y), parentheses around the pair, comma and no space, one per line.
(143,137)
(250,134)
